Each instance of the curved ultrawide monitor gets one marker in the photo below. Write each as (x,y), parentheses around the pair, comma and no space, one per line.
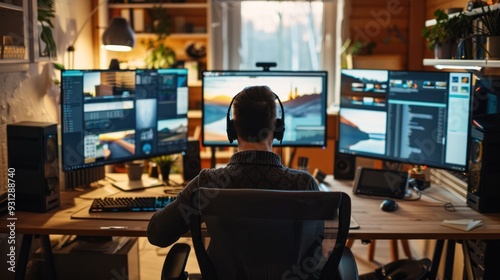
(413,117)
(302,93)
(113,116)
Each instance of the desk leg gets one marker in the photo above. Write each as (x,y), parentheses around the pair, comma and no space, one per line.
(436,259)
(450,256)
(467,263)
(49,258)
(24,255)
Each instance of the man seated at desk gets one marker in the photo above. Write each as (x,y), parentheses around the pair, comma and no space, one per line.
(254,124)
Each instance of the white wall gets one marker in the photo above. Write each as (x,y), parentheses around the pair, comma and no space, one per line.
(73,16)
(31,95)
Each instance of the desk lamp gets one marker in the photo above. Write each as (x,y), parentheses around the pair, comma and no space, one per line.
(118,36)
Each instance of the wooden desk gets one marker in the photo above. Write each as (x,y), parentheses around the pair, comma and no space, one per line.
(419,219)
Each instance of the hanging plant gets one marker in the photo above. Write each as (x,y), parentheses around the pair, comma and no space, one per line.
(46,12)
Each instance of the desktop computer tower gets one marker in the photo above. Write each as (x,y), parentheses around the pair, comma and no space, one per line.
(191,162)
(34,164)
(485,95)
(483,190)
(484,256)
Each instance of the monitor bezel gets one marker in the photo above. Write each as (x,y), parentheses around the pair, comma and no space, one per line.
(313,73)
(70,168)
(449,167)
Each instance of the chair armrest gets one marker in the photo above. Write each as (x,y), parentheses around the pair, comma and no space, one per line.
(348,270)
(175,262)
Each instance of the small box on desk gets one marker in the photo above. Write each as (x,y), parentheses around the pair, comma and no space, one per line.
(98,262)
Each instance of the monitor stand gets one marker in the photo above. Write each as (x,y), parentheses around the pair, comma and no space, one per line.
(122,182)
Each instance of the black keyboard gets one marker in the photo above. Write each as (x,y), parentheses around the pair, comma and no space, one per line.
(130,204)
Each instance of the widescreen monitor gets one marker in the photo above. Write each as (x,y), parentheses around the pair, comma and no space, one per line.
(302,93)
(413,117)
(117,116)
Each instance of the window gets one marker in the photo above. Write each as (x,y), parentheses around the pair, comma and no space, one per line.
(297,35)
(289,33)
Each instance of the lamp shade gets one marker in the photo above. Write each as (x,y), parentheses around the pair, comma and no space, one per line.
(119,36)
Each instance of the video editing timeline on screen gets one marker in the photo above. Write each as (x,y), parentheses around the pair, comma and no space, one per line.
(112,116)
(411,117)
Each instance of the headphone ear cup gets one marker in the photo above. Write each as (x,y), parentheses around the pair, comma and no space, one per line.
(279,130)
(231,132)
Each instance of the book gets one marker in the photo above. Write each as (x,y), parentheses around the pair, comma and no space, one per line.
(462,224)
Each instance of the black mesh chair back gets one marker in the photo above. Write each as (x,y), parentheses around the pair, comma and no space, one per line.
(269,234)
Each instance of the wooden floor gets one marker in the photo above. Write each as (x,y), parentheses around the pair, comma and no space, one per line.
(152,257)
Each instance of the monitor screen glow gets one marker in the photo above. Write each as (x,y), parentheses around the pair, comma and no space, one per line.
(302,93)
(116,116)
(414,117)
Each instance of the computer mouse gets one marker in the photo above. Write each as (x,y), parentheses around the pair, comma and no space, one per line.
(389,205)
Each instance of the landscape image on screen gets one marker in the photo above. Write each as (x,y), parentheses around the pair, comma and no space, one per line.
(302,99)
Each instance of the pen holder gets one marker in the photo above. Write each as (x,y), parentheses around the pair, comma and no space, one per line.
(134,171)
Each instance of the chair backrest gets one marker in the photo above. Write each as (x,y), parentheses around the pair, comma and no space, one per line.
(269,234)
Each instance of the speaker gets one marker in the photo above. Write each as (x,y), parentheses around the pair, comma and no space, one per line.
(344,166)
(34,162)
(483,192)
(484,255)
(191,161)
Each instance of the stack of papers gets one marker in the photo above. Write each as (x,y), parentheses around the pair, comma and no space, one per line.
(462,224)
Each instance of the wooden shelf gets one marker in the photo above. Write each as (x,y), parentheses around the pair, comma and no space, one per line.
(472,13)
(11,7)
(162,5)
(13,65)
(462,63)
(175,35)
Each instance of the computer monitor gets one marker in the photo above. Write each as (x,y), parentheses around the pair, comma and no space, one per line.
(413,117)
(117,116)
(302,93)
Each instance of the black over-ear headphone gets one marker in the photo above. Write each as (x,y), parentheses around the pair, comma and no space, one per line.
(279,130)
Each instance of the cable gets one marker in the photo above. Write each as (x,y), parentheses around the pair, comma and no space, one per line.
(448,206)
(410,192)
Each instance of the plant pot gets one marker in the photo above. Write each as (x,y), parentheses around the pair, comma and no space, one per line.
(165,173)
(464,49)
(445,50)
(479,47)
(492,47)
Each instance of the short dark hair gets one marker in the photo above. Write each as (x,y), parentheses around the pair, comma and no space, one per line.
(254,113)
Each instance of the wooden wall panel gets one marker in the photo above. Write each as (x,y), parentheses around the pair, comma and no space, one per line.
(383,22)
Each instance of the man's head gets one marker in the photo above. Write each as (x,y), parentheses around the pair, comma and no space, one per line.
(254,115)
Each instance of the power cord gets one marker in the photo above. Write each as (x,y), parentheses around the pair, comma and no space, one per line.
(410,192)
(448,206)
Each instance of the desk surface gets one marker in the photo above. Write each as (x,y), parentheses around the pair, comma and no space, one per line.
(418,219)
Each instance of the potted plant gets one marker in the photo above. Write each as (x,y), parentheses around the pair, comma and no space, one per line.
(164,164)
(490,29)
(159,55)
(444,36)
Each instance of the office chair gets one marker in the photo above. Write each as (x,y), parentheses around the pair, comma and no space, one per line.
(270,234)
